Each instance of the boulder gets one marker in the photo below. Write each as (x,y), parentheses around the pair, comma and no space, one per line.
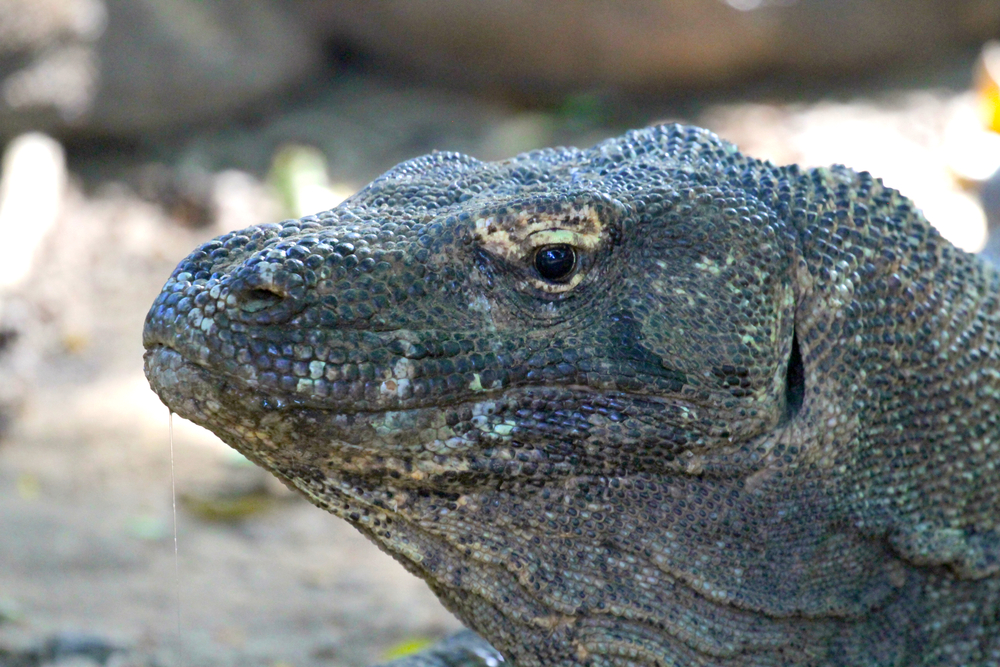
(554,46)
(127,67)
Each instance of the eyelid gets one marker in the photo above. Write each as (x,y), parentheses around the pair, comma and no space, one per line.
(513,233)
(568,237)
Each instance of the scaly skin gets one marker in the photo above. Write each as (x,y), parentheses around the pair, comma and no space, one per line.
(651,403)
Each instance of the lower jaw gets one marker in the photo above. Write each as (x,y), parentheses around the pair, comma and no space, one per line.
(377,444)
(215,400)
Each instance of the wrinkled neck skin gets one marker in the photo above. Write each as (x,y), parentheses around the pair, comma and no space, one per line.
(696,448)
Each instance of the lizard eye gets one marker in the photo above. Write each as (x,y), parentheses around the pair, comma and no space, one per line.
(555,263)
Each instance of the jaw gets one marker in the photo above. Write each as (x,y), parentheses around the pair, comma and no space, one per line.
(456,526)
(313,451)
(285,435)
(523,434)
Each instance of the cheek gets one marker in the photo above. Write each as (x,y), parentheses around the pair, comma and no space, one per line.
(702,318)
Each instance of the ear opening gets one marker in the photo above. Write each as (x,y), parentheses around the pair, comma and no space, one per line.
(795,380)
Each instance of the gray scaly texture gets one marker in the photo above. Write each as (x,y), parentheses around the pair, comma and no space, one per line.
(650,403)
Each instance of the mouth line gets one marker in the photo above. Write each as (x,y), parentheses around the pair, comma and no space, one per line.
(276,399)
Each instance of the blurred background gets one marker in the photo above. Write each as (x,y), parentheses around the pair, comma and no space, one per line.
(132,130)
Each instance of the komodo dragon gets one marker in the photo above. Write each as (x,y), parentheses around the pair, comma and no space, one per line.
(650,403)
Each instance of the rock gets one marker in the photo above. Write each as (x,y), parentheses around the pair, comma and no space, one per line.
(124,67)
(463,649)
(550,46)
(30,24)
(64,649)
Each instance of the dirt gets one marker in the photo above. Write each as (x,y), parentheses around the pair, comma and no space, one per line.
(87,561)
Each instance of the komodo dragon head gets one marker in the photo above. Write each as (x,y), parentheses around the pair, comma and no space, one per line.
(650,403)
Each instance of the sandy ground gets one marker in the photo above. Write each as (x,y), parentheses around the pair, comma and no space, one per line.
(87,561)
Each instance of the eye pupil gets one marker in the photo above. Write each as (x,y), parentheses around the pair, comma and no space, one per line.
(555,262)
